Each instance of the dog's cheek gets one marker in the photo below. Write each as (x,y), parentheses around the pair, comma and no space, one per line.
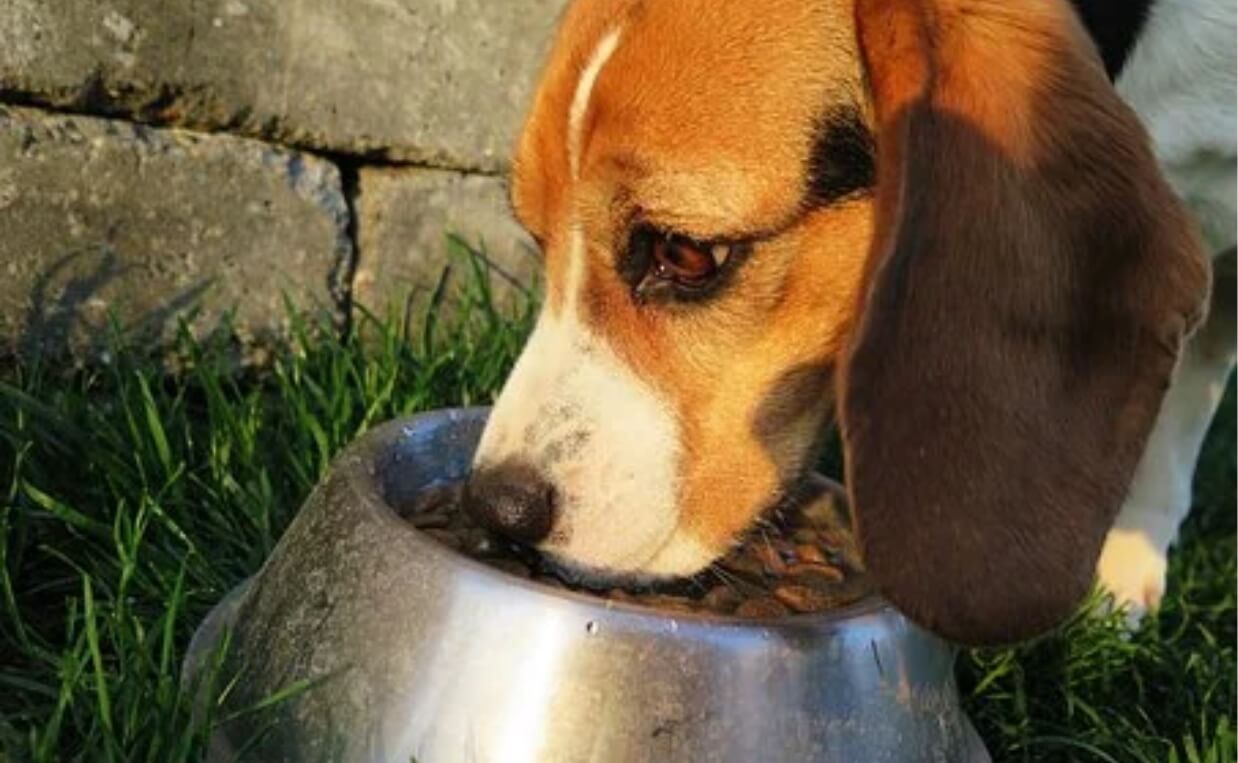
(745,448)
(728,479)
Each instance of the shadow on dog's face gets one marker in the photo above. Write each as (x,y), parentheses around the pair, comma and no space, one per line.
(745,206)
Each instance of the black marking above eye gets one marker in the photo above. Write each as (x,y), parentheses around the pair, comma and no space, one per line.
(843,158)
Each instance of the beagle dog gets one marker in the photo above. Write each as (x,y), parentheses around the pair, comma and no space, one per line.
(938,220)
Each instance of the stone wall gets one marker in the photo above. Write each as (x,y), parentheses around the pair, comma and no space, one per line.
(196,158)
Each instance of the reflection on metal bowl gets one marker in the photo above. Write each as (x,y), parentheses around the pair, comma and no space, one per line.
(409,651)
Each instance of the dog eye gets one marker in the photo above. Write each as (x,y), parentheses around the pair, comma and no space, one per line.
(660,265)
(687,262)
(655,257)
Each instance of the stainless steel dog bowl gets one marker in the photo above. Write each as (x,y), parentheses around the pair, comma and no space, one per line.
(404,650)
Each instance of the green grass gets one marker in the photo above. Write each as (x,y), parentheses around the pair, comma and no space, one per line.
(131,500)
(1167,693)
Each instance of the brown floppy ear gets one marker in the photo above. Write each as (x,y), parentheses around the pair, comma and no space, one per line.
(1029,288)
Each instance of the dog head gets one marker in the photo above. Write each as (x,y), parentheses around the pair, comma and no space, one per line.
(939,210)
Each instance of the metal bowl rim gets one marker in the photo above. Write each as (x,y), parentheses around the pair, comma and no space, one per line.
(870,604)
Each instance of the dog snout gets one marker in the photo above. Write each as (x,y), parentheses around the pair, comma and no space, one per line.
(512,499)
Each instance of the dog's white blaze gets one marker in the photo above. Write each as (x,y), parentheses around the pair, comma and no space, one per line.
(603,437)
(580,99)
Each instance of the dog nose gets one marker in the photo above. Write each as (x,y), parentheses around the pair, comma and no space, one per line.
(512,499)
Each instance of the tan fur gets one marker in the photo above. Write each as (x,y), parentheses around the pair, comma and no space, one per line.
(541,178)
(703,122)
(788,310)
(704,129)
(1001,56)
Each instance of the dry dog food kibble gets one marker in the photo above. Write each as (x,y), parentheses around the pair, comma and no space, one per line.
(802,559)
